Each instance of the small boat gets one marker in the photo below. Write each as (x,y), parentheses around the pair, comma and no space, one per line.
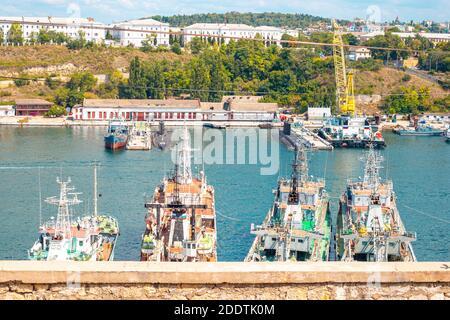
(214,126)
(139,137)
(420,130)
(447,135)
(117,136)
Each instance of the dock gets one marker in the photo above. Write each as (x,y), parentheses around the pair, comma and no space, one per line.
(306,137)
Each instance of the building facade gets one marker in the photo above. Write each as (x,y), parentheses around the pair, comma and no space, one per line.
(142,31)
(358,53)
(7,111)
(32,107)
(233,31)
(172,110)
(71,27)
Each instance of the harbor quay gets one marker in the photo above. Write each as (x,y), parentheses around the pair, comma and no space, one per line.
(32,280)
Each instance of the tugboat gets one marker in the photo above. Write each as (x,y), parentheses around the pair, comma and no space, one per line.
(369,227)
(89,238)
(181,220)
(298,226)
(347,131)
(117,135)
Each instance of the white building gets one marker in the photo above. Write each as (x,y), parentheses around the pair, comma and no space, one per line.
(173,110)
(230,31)
(319,113)
(93,31)
(358,53)
(7,111)
(433,37)
(142,30)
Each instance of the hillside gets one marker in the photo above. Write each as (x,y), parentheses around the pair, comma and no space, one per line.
(99,60)
(252,19)
(269,74)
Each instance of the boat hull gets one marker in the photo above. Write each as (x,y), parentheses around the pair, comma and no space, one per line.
(113,142)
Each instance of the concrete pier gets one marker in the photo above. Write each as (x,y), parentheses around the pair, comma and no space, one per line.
(224,280)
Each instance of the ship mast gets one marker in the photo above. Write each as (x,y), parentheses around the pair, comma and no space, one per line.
(95,190)
(372,168)
(299,173)
(184,172)
(63,222)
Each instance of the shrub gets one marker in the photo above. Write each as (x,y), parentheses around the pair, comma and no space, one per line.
(406,78)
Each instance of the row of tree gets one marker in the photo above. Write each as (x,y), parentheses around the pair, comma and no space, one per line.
(252,19)
(294,78)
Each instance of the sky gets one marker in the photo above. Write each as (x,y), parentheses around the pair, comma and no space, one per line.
(108,11)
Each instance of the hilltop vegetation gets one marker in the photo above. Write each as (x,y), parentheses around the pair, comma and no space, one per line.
(293,77)
(252,19)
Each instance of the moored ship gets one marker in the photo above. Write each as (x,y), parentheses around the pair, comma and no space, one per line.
(181,220)
(117,135)
(419,130)
(88,238)
(369,227)
(298,226)
(351,132)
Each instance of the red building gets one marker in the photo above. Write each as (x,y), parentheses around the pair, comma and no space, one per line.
(32,107)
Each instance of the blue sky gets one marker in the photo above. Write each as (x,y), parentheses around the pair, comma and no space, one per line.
(109,10)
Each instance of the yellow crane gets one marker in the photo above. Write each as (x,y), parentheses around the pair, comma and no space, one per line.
(345,97)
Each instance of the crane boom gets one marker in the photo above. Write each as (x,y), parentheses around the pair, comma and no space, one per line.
(345,98)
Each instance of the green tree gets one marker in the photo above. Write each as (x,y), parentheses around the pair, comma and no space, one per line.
(136,88)
(199,79)
(82,82)
(2,36)
(56,111)
(15,34)
(197,45)
(176,48)
(351,39)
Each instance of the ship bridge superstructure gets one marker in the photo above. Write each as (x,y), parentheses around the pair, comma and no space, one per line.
(369,224)
(297,228)
(181,221)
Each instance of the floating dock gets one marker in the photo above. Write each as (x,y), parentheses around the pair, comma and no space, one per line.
(295,137)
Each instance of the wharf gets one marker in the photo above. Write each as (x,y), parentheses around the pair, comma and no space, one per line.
(306,137)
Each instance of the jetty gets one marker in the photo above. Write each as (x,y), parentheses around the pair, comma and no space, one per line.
(294,136)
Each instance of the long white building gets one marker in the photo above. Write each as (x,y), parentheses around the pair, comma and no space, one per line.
(142,30)
(238,31)
(93,31)
(174,110)
(433,37)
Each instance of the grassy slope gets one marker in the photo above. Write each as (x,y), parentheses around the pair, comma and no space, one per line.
(97,60)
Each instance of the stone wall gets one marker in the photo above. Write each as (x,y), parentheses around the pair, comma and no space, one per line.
(137,280)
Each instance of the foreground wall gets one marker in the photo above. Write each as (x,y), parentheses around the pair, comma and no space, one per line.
(139,280)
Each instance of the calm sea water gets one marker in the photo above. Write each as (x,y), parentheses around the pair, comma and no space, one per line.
(419,167)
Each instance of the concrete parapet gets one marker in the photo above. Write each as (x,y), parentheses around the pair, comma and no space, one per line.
(223,280)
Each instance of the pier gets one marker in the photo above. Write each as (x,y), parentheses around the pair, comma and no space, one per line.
(304,136)
(224,280)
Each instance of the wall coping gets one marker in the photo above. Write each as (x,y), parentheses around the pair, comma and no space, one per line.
(116,272)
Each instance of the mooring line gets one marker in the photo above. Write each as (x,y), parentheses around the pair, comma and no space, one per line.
(426,214)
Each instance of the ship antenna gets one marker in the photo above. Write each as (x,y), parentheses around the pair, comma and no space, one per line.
(40,196)
(95,189)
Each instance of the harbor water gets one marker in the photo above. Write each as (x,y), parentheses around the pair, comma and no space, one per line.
(33,157)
